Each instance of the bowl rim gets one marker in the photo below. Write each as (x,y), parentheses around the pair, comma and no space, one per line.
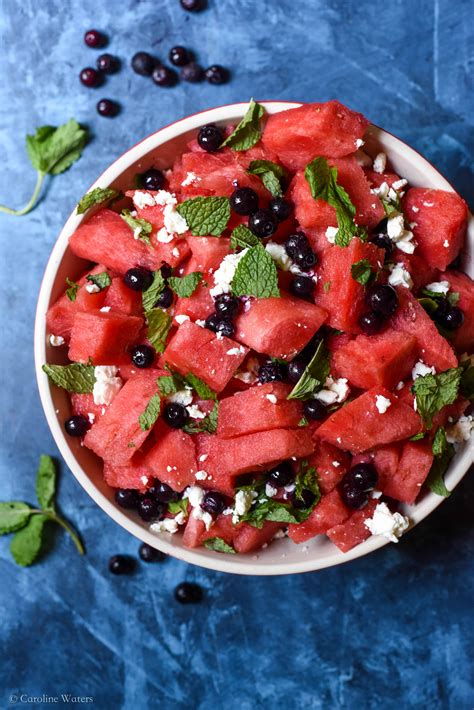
(238,564)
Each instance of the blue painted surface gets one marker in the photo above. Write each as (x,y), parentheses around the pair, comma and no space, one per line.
(388,631)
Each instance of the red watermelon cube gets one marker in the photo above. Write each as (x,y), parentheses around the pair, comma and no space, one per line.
(121,299)
(103,337)
(420,271)
(369,209)
(386,460)
(330,511)
(173,458)
(248,539)
(330,463)
(314,216)
(134,474)
(84,405)
(463,338)
(413,468)
(352,532)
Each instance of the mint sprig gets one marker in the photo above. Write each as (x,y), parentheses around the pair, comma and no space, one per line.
(75,377)
(149,417)
(218,545)
(167,385)
(71,292)
(202,390)
(443,453)
(28,522)
(151,294)
(256,275)
(314,375)
(184,286)
(208,424)
(101,280)
(361,271)
(270,174)
(243,238)
(247,133)
(97,196)
(158,327)
(205,216)
(433,392)
(141,228)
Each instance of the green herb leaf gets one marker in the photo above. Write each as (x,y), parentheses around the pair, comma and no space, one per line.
(202,390)
(361,271)
(303,422)
(167,385)
(149,417)
(101,280)
(443,453)
(26,543)
(242,238)
(467,381)
(184,286)
(247,133)
(159,324)
(417,437)
(71,292)
(73,378)
(256,275)
(141,228)
(453,297)
(208,424)
(53,150)
(306,479)
(433,392)
(314,375)
(97,196)
(13,516)
(46,482)
(326,286)
(270,174)
(218,545)
(178,506)
(391,206)
(206,216)
(151,294)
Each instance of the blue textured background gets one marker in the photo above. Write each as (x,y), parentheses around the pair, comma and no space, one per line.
(388,631)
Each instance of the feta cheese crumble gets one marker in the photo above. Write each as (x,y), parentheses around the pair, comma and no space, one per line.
(446,243)
(143,199)
(242,503)
(190,179)
(105,309)
(194,412)
(200,475)
(420,370)
(279,255)
(195,496)
(225,273)
(181,319)
(334,391)
(106,384)
(359,143)
(401,237)
(438,287)
(331,234)
(271,398)
(399,276)
(236,351)
(56,340)
(93,288)
(183,397)
(460,431)
(270,490)
(388,524)
(380,162)
(168,525)
(382,403)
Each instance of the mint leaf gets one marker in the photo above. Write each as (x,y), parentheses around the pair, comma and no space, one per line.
(303,422)
(306,479)
(149,417)
(256,275)
(247,133)
(208,424)
(453,297)
(26,544)
(205,216)
(184,286)
(202,390)
(159,324)
(270,174)
(101,280)
(443,453)
(314,375)
(13,515)
(467,381)
(178,506)
(152,293)
(218,545)
(361,271)
(417,437)
(71,292)
(141,228)
(242,237)
(73,378)
(167,385)
(433,392)
(97,196)
(53,150)
(46,482)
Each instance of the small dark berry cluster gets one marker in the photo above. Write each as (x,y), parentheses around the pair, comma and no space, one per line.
(221,321)
(145,64)
(93,78)
(284,475)
(150,505)
(357,483)
(382,300)
(299,250)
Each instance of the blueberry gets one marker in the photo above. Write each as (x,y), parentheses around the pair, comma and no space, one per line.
(212,322)
(162,492)
(138,279)
(121,564)
(382,299)
(192,5)
(166,270)
(371,322)
(280,208)
(163,76)
(295,243)
(263,223)
(272,372)
(315,409)
(225,327)
(305,258)
(383,241)
(244,201)
(126,498)
(149,508)
(449,317)
(353,497)
(165,299)
(179,56)
(210,138)
(143,356)
(143,63)
(216,74)
(107,108)
(107,63)
(281,475)
(363,476)
(153,179)
(304,500)
(192,72)
(76,425)
(95,39)
(150,554)
(302,286)
(226,305)
(175,415)
(213,503)
(90,77)
(188,593)
(295,370)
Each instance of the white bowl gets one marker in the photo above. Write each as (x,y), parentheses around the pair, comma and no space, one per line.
(160,149)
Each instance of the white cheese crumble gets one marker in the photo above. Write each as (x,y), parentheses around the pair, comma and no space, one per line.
(380,162)
(270,490)
(460,431)
(182,318)
(336,464)
(190,179)
(398,184)
(385,523)
(438,286)
(143,199)
(382,403)
(271,398)
(201,323)
(203,457)
(420,370)
(400,385)
(415,209)
(168,525)
(200,475)
(359,143)
(164,237)
(195,495)
(399,276)
(56,340)
(242,503)
(331,234)
(236,351)
(401,237)
(183,397)
(446,243)
(93,288)
(91,417)
(376,494)
(105,309)
(106,384)
(279,255)
(194,412)
(334,391)
(225,273)
(144,480)
(175,252)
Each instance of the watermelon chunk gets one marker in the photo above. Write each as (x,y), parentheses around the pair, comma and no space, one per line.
(198,350)
(376,360)
(352,532)
(330,463)
(359,426)
(120,298)
(314,216)
(117,435)
(300,134)
(279,327)
(259,408)
(336,291)
(386,460)
(173,458)
(411,318)
(413,468)
(463,338)
(439,227)
(330,511)
(248,538)
(420,271)
(104,337)
(369,209)
(83,404)
(195,533)
(134,474)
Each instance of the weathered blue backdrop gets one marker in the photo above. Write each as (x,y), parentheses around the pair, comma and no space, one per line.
(392,630)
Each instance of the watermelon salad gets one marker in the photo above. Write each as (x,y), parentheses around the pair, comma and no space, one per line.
(271,337)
